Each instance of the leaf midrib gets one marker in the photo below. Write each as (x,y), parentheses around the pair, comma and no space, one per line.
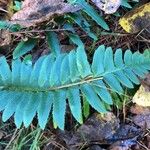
(88,79)
(83,81)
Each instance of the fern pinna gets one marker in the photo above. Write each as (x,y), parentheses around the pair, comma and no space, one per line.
(43,88)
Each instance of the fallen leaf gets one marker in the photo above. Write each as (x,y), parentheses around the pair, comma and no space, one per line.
(34,12)
(136,19)
(142,121)
(96,128)
(99,127)
(142,97)
(109,6)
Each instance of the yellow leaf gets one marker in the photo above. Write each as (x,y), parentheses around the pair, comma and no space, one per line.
(136,19)
(142,97)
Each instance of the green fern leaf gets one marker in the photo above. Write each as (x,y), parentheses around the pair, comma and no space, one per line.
(76,40)
(129,73)
(23,47)
(16,68)
(47,84)
(81,21)
(35,74)
(18,116)
(53,43)
(9,26)
(118,60)
(55,71)
(123,79)
(92,13)
(74,73)
(83,66)
(102,91)
(4,99)
(44,108)
(75,103)
(5,70)
(65,70)
(113,83)
(59,108)
(128,57)
(43,71)
(93,98)
(31,108)
(108,60)
(86,107)
(25,73)
(139,72)
(98,64)
(126,4)
(11,105)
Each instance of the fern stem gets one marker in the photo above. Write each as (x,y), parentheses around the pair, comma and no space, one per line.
(26,89)
(48,89)
(75,84)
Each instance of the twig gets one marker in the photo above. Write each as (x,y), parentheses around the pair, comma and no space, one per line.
(1,9)
(11,140)
(39,31)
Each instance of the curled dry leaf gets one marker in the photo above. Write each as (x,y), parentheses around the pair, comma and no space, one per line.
(34,12)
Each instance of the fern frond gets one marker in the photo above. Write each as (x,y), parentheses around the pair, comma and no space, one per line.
(43,88)
(89,10)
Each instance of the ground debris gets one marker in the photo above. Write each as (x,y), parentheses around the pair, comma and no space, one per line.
(141,116)
(101,133)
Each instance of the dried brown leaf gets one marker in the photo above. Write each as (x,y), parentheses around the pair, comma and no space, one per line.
(34,12)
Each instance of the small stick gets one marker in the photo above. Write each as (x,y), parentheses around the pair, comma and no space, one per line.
(1,9)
